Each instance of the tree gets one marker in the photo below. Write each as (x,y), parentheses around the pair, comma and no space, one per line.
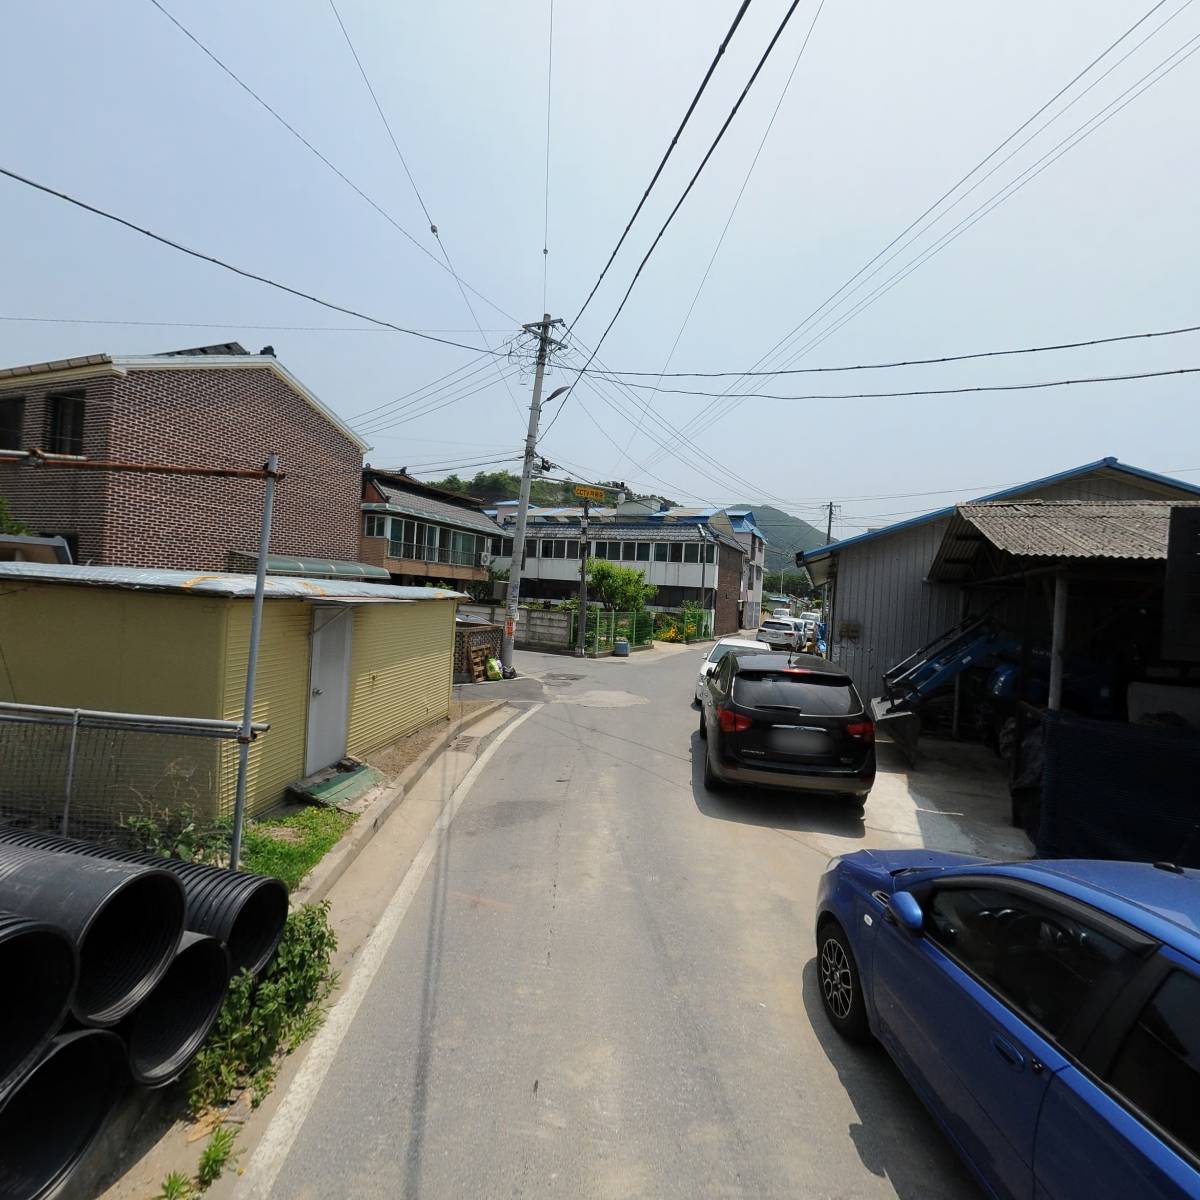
(622,588)
(9,523)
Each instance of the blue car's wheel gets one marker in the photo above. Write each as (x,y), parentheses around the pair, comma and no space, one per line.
(837,976)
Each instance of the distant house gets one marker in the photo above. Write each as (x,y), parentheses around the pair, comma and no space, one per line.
(882,603)
(418,533)
(345,667)
(692,556)
(212,406)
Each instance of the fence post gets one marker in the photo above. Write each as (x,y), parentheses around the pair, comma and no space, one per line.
(70,773)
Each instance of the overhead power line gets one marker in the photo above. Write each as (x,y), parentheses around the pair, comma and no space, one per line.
(954,391)
(728,221)
(905,362)
(787,16)
(712,66)
(433,229)
(232,325)
(978,166)
(227,266)
(312,149)
(546,205)
(702,420)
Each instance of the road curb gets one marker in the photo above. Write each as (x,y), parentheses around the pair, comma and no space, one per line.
(317,884)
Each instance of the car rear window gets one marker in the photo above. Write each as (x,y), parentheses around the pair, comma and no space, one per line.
(816,695)
(775,625)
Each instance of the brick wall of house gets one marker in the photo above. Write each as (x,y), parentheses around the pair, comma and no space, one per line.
(58,500)
(728,589)
(207,416)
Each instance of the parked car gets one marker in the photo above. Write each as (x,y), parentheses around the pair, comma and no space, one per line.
(791,721)
(781,612)
(1047,1013)
(778,632)
(712,660)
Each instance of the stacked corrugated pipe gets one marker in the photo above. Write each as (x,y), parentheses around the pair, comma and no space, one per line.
(114,966)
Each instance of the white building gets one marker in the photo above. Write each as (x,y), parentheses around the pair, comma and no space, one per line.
(689,558)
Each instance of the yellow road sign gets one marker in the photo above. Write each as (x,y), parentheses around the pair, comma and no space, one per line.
(583,492)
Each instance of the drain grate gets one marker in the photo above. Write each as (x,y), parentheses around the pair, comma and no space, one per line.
(464,741)
(560,678)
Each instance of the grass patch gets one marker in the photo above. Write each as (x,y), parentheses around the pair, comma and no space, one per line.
(289,847)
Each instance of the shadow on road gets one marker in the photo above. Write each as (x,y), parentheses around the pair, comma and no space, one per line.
(895,1136)
(774,809)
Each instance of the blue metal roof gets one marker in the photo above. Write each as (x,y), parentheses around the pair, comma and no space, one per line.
(808,556)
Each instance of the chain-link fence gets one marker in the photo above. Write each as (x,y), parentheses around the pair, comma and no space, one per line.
(97,775)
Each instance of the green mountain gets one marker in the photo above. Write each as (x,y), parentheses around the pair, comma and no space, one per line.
(785,535)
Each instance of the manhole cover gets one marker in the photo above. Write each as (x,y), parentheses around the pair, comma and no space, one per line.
(558,678)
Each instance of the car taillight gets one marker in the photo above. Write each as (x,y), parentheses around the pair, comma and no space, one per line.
(733,722)
(864,731)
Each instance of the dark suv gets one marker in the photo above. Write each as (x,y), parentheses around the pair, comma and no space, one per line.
(786,721)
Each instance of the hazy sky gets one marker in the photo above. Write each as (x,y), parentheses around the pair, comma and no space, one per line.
(889,106)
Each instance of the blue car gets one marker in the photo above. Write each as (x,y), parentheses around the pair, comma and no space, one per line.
(1047,1013)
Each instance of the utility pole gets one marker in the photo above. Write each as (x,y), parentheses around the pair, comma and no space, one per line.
(246,733)
(828,596)
(581,635)
(543,328)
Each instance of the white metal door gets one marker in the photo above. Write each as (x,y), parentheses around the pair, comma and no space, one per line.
(329,681)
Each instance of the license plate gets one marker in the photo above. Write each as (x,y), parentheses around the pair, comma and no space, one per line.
(798,741)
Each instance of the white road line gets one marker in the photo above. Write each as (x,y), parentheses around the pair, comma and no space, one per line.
(272,1151)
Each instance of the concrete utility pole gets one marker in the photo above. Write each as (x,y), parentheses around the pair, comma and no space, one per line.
(543,328)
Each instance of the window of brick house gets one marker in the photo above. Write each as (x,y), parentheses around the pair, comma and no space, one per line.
(375,525)
(64,423)
(12,418)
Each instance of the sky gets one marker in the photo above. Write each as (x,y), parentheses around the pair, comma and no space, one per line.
(888,107)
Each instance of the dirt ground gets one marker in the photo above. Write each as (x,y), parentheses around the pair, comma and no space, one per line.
(393,759)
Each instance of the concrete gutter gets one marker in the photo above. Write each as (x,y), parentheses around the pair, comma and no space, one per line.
(317,884)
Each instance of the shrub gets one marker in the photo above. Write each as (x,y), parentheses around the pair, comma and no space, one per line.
(262,1016)
(175,833)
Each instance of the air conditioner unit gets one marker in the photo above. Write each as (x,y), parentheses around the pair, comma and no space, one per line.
(485,558)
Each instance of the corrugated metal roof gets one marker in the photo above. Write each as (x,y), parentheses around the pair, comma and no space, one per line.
(414,504)
(218,583)
(1056,529)
(805,557)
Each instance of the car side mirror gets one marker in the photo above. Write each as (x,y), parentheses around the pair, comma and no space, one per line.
(907,912)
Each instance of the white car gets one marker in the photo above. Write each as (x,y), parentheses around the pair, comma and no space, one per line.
(779,633)
(712,660)
(781,612)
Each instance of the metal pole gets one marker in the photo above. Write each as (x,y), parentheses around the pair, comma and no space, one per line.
(581,634)
(70,773)
(246,733)
(1058,633)
(514,571)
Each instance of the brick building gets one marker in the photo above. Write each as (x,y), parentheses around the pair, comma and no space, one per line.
(210,407)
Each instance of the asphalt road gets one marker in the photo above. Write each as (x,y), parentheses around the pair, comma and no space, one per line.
(604,986)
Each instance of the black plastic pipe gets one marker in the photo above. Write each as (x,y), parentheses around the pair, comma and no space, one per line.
(166,1031)
(38,965)
(50,1120)
(125,919)
(246,912)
